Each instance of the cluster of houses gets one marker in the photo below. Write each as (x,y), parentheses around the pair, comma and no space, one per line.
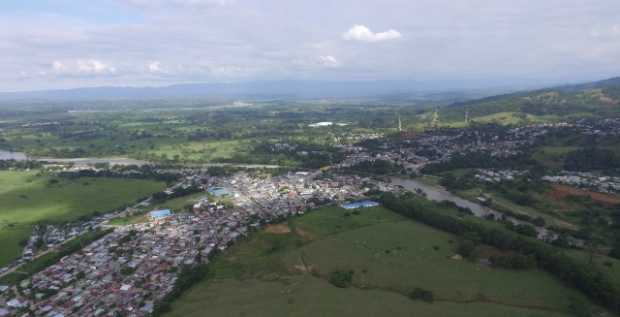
(442,145)
(599,127)
(128,271)
(282,196)
(498,176)
(603,184)
(45,237)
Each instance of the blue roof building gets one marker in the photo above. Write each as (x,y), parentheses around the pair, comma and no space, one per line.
(360,204)
(218,191)
(160,214)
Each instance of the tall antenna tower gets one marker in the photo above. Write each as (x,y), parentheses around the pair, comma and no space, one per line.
(467,116)
(435,121)
(400,124)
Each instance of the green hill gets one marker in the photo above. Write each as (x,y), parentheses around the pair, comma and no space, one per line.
(600,98)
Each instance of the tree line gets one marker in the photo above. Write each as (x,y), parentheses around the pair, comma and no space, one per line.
(586,278)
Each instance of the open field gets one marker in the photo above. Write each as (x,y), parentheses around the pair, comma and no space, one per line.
(551,211)
(27,198)
(200,134)
(552,156)
(212,151)
(284,273)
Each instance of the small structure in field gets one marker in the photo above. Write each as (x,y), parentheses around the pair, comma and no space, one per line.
(219,191)
(360,204)
(160,214)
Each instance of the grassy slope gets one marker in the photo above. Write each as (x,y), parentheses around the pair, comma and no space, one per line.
(390,255)
(26,199)
(547,105)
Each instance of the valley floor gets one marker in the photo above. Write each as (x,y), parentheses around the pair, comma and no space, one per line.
(284,271)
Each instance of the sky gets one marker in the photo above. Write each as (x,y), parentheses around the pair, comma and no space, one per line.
(54,44)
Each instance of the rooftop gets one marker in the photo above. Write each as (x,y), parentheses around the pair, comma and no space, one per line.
(159,214)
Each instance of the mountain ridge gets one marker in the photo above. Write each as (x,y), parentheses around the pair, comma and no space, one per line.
(309,89)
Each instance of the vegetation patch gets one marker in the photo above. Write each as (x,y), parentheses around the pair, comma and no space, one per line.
(422,294)
(254,277)
(341,278)
(29,198)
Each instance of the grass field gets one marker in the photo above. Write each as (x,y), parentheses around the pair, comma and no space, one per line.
(212,151)
(542,207)
(27,198)
(284,272)
(552,156)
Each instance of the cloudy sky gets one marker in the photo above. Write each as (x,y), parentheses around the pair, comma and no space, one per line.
(73,43)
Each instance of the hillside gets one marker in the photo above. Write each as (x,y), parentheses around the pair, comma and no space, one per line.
(600,98)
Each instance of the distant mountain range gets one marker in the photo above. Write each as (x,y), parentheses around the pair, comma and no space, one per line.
(293,89)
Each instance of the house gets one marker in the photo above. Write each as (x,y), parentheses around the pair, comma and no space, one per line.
(160,214)
(219,191)
(15,303)
(360,204)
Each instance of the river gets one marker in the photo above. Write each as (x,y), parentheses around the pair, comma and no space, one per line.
(90,161)
(8,155)
(122,161)
(439,194)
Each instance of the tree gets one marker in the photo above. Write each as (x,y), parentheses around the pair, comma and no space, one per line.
(466,248)
(422,294)
(342,279)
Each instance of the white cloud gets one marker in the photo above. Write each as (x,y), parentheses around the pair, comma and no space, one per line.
(329,61)
(154,67)
(82,67)
(277,39)
(58,66)
(362,33)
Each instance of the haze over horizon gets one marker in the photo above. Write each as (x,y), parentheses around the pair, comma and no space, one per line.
(62,44)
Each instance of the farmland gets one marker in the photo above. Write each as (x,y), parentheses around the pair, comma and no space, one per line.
(286,272)
(28,198)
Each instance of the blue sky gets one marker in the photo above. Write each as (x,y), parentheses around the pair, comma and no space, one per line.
(104,11)
(75,43)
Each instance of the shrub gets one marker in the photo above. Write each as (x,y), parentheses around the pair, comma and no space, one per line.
(342,279)
(422,294)
(466,248)
(514,261)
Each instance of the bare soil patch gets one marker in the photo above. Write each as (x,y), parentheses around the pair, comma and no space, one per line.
(560,192)
(281,228)
(307,236)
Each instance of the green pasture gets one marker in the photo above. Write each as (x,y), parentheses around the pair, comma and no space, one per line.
(285,274)
(27,198)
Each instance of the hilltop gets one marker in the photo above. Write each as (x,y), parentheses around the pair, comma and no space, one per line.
(601,98)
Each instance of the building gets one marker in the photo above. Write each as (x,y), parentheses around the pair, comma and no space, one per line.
(160,214)
(360,204)
(219,191)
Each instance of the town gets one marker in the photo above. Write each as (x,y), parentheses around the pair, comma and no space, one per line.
(128,271)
